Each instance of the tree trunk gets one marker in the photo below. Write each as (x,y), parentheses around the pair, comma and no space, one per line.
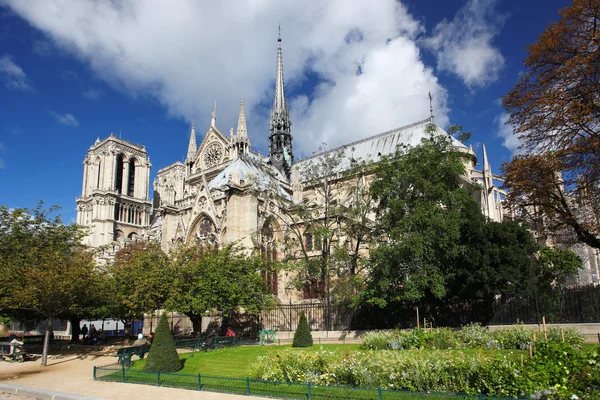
(46,342)
(196,324)
(127,327)
(75,330)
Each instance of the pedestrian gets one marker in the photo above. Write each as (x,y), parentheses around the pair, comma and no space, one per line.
(84,331)
(140,340)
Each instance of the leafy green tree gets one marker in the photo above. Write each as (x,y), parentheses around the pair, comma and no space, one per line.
(420,192)
(557,265)
(140,281)
(207,279)
(45,272)
(163,353)
(302,336)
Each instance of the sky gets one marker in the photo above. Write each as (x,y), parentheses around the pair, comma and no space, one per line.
(74,71)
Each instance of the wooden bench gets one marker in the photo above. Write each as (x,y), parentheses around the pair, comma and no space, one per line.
(125,353)
(194,344)
(220,341)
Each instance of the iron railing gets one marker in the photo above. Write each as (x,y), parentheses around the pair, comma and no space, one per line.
(252,387)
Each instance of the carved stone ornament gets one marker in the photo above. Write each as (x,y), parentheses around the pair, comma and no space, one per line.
(203,202)
(212,155)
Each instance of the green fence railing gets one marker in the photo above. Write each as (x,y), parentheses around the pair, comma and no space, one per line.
(252,387)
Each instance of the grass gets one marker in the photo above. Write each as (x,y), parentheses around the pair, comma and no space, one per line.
(226,371)
(235,362)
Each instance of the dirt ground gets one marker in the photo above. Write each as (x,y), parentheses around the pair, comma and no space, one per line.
(71,372)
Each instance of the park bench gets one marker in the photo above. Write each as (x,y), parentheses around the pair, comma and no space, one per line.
(125,353)
(5,351)
(194,344)
(220,341)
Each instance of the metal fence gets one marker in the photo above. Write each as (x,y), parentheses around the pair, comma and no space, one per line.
(252,387)
(571,305)
(320,317)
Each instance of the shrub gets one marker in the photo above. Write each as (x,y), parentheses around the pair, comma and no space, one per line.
(517,337)
(572,336)
(302,337)
(439,338)
(476,336)
(163,354)
(381,340)
(556,365)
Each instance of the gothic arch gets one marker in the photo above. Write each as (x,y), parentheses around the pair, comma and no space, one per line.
(203,228)
(98,172)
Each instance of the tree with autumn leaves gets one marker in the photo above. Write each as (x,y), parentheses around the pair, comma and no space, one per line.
(555,111)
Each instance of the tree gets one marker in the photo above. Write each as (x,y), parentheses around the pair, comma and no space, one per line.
(163,355)
(216,279)
(302,336)
(543,193)
(140,280)
(555,110)
(420,195)
(328,231)
(557,265)
(45,272)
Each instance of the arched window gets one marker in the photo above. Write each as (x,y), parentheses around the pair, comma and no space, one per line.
(119,173)
(131,178)
(308,241)
(313,289)
(205,233)
(269,252)
(99,172)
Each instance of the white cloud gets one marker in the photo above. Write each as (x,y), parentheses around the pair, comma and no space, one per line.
(92,94)
(12,75)
(464,46)
(66,119)
(510,140)
(370,74)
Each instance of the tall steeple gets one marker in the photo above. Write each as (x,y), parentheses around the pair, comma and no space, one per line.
(241,128)
(280,138)
(213,117)
(240,141)
(192,145)
(430,108)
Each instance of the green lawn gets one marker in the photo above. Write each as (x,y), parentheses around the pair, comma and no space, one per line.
(235,361)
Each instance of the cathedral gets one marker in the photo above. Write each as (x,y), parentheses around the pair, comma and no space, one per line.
(223,191)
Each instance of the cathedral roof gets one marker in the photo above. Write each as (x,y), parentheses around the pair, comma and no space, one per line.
(248,168)
(372,148)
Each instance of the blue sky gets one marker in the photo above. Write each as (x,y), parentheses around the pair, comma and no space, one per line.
(72,71)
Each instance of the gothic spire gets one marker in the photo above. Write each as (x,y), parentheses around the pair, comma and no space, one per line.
(430,108)
(213,118)
(192,145)
(279,105)
(241,128)
(281,155)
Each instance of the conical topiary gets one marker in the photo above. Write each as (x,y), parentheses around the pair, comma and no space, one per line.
(302,337)
(163,354)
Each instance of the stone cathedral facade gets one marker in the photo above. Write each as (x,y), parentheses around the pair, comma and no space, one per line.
(221,192)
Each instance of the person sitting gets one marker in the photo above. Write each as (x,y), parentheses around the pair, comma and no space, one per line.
(141,340)
(229,332)
(16,346)
(209,338)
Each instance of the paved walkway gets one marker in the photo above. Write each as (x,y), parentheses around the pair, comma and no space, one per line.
(71,377)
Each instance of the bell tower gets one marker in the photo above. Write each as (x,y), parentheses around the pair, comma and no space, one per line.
(114,202)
